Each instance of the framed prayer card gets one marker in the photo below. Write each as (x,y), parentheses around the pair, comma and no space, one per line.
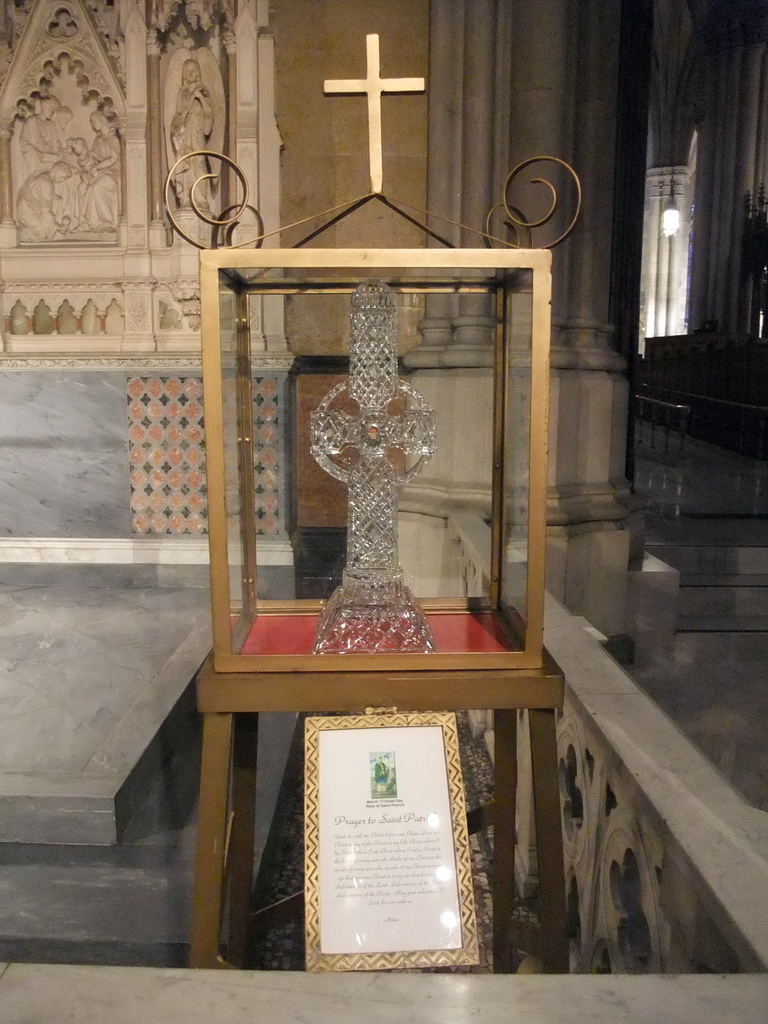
(388,880)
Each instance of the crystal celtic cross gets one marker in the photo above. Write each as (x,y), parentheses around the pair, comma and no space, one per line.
(372,610)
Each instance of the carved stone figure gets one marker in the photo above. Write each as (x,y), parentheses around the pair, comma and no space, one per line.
(39,137)
(100,173)
(194,119)
(190,128)
(42,207)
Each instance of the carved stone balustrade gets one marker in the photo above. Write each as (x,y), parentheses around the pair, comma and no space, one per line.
(666,865)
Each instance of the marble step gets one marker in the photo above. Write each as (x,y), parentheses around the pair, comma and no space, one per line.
(99,905)
(127,904)
(714,559)
(724,598)
(705,579)
(722,624)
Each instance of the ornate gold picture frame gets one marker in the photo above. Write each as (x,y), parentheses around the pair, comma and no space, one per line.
(388,879)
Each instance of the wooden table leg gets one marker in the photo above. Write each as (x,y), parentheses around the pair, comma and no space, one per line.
(549,841)
(505,807)
(208,896)
(241,841)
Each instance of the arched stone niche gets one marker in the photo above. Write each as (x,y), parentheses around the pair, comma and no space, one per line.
(65,108)
(194,115)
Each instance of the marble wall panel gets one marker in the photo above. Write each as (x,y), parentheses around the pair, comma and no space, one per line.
(63,456)
(73,464)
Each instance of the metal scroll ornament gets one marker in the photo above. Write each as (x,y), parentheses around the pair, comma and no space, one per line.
(223,226)
(229,219)
(515,222)
(373,610)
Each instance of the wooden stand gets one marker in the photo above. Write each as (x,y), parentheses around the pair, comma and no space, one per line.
(231,702)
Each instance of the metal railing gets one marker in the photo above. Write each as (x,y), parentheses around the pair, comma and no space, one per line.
(658,421)
(735,426)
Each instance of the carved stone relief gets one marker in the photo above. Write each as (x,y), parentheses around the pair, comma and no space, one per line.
(107,19)
(79,100)
(186,292)
(65,149)
(138,314)
(13,17)
(70,187)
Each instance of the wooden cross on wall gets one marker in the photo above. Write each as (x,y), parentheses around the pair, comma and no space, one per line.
(373,85)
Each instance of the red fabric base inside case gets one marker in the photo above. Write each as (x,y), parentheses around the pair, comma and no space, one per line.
(454,634)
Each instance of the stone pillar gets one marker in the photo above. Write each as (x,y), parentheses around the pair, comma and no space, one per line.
(678,255)
(245,121)
(6,187)
(665,256)
(732,149)
(701,306)
(454,362)
(651,222)
(157,232)
(749,158)
(7,224)
(444,168)
(256,111)
(269,141)
(563,103)
(473,327)
(230,185)
(123,177)
(761,137)
(137,180)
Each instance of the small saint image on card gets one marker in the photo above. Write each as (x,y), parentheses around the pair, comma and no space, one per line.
(383,775)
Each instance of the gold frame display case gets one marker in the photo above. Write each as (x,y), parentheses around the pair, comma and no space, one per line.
(518,282)
(234,687)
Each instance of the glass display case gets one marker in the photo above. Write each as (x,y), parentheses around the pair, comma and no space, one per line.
(500,629)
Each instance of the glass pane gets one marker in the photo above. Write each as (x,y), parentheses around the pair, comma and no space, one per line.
(375,472)
(517,428)
(233,497)
(443,501)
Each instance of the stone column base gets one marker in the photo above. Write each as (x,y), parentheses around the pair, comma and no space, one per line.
(587,571)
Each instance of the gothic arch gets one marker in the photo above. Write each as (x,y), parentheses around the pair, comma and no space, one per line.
(90,92)
(60,36)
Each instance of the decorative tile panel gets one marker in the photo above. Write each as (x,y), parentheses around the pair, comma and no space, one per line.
(166,453)
(268,455)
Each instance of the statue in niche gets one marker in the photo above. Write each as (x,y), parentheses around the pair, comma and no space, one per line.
(194,119)
(190,128)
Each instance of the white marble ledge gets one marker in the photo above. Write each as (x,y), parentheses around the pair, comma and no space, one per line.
(36,994)
(129,551)
(725,840)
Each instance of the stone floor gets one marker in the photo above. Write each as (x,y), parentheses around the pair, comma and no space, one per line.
(93,660)
(99,742)
(710,512)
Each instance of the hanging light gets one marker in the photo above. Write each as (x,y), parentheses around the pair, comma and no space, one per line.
(670,218)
